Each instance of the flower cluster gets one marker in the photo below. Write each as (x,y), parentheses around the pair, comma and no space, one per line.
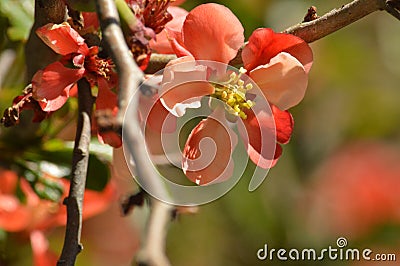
(23,212)
(276,63)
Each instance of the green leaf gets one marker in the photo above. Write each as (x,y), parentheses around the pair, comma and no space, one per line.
(20,16)
(98,174)
(60,154)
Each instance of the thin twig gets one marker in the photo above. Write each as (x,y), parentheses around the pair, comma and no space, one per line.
(130,77)
(313,30)
(74,201)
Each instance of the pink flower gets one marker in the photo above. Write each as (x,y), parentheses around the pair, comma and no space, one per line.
(356,190)
(277,63)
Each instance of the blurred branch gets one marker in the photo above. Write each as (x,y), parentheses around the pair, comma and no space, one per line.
(37,53)
(152,251)
(74,201)
(130,77)
(312,30)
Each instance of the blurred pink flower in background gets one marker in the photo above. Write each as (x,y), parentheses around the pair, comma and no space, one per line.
(34,216)
(356,190)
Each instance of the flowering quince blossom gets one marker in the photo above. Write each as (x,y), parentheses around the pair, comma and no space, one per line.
(52,85)
(278,64)
(36,215)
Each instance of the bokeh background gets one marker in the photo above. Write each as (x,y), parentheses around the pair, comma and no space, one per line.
(338,177)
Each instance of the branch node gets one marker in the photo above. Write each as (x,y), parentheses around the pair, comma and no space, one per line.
(393,8)
(311,14)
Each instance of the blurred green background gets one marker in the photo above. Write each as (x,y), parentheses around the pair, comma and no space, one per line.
(338,176)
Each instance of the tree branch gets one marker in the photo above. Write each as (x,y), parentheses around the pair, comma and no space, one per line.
(130,77)
(152,251)
(74,201)
(313,30)
(336,19)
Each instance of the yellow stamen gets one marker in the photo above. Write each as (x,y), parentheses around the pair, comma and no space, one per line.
(233,93)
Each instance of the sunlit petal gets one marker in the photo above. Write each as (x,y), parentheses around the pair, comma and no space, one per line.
(258,134)
(161,44)
(184,83)
(264,44)
(212,32)
(54,83)
(283,80)
(284,124)
(62,39)
(208,150)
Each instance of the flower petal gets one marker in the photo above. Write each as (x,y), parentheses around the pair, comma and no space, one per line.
(154,115)
(8,181)
(208,150)
(177,2)
(283,81)
(212,32)
(184,83)
(90,20)
(176,42)
(258,134)
(54,104)
(54,82)
(62,39)
(264,44)
(161,44)
(14,217)
(111,138)
(107,100)
(42,255)
(283,123)
(96,202)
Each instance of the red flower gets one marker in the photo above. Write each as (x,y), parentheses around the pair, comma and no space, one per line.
(209,32)
(52,86)
(277,63)
(35,216)
(356,190)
